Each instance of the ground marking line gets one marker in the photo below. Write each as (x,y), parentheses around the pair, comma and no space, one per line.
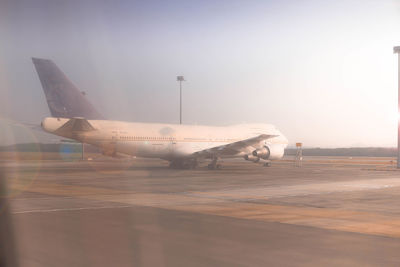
(71,209)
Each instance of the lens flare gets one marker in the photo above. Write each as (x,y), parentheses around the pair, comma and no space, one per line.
(20,147)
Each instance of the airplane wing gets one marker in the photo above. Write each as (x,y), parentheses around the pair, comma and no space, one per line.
(231,148)
(31,126)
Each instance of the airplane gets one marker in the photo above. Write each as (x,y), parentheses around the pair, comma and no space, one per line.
(184,146)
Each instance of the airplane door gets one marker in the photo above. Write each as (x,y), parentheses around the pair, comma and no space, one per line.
(172,146)
(110,147)
(114,136)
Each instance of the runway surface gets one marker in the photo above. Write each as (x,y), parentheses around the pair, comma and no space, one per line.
(141,213)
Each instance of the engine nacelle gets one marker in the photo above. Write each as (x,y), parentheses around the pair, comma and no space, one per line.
(252,158)
(270,152)
(263,152)
(109,153)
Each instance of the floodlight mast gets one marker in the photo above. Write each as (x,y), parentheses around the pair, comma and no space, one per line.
(180,79)
(396,50)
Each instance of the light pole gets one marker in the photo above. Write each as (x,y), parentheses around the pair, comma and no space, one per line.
(396,50)
(180,79)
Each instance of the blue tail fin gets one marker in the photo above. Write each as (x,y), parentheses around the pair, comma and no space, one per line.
(63,98)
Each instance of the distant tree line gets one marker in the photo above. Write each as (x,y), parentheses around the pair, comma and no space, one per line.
(349,152)
(39,147)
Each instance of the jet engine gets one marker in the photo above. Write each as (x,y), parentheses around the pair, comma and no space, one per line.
(263,152)
(273,151)
(109,153)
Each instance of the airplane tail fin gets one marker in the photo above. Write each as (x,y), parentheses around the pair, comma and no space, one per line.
(63,98)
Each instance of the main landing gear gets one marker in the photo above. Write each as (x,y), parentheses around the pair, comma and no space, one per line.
(193,163)
(267,164)
(214,164)
(181,164)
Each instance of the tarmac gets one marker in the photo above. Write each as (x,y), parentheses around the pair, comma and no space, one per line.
(329,212)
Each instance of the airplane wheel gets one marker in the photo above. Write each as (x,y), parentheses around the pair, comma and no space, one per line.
(219,166)
(267,164)
(193,165)
(175,165)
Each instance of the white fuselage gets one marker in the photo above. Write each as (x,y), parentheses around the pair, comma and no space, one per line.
(166,141)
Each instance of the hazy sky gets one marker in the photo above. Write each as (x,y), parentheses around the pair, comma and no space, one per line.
(323,72)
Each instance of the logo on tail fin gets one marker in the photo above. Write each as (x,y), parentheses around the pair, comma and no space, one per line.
(63,97)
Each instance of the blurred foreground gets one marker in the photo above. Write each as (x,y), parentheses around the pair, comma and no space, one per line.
(140,213)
